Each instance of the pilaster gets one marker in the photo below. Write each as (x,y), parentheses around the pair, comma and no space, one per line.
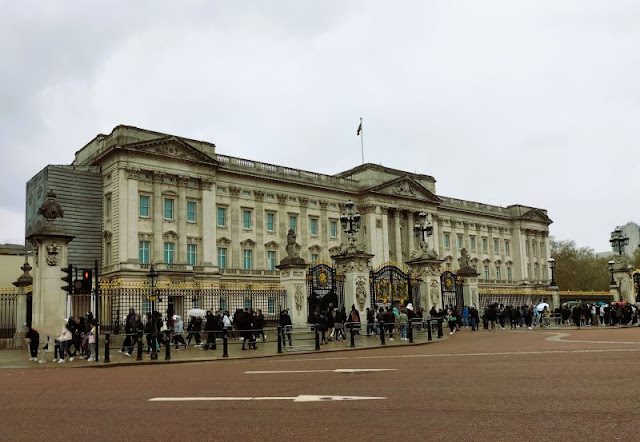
(356,268)
(428,272)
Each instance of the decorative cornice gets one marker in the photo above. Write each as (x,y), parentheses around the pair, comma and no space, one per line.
(367,208)
(158,177)
(182,180)
(259,195)
(248,243)
(304,202)
(132,174)
(282,198)
(323,205)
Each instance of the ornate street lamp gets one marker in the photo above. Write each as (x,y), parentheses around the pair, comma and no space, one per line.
(552,266)
(350,221)
(618,240)
(423,229)
(153,278)
(611,264)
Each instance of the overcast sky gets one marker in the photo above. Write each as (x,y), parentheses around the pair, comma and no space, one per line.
(503,102)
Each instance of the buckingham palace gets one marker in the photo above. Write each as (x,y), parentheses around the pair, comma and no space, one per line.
(136,197)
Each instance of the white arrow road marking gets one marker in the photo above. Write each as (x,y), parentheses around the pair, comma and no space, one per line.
(339,370)
(301,398)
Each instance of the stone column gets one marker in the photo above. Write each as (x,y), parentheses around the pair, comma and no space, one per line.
(49,300)
(181,216)
(128,231)
(304,227)
(324,229)
(208,226)
(623,287)
(293,276)
(469,278)
(411,239)
(428,271)
(384,238)
(398,237)
(261,261)
(355,266)
(283,228)
(158,217)
(235,227)
(555,297)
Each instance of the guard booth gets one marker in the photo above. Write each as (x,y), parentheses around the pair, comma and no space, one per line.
(451,288)
(390,285)
(325,290)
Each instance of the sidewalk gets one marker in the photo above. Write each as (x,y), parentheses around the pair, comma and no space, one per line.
(303,343)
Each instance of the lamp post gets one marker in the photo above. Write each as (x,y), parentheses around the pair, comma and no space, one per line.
(618,240)
(422,229)
(611,264)
(552,266)
(153,278)
(350,221)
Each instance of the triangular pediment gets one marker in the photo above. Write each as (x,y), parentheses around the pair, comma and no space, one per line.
(248,243)
(537,215)
(315,248)
(272,245)
(223,241)
(405,187)
(172,147)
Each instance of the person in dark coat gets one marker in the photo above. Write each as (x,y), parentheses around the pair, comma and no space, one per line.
(259,318)
(194,328)
(211,327)
(34,341)
(576,313)
(128,329)
(285,323)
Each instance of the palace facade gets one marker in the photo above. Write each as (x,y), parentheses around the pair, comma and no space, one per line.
(200,216)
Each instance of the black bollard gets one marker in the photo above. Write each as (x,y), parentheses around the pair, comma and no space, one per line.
(410,332)
(382,333)
(316,326)
(429,332)
(353,340)
(139,358)
(440,328)
(106,348)
(280,337)
(167,346)
(225,344)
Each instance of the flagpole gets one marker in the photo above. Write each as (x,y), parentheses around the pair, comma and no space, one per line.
(362,140)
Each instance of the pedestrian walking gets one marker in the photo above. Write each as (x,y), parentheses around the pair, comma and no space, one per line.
(34,342)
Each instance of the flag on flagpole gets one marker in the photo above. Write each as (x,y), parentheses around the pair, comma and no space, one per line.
(359,128)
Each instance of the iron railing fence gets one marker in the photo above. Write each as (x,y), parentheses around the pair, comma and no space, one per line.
(8,312)
(114,302)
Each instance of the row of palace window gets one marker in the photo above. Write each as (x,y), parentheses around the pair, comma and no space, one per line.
(169,209)
(169,256)
(484,243)
(270,222)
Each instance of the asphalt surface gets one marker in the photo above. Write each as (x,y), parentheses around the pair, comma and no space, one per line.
(503,385)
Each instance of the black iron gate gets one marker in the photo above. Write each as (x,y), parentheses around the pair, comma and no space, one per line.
(391,285)
(325,290)
(451,288)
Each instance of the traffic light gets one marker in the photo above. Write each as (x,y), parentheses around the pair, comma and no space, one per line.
(68,279)
(87,280)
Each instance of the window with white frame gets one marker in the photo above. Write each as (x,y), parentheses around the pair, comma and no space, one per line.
(313,226)
(459,241)
(168,208)
(246,219)
(271,222)
(191,211)
(496,246)
(293,222)
(191,254)
(222,216)
(485,246)
(247,255)
(271,259)
(472,243)
(509,277)
(507,247)
(144,249)
(222,257)
(498,275)
(447,240)
(486,272)
(169,253)
(143,206)
(333,229)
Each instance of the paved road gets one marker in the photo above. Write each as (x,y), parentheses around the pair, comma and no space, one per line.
(504,385)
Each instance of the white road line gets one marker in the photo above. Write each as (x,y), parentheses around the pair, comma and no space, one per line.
(339,370)
(300,398)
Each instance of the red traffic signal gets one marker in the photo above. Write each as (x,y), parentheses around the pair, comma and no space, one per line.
(87,280)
